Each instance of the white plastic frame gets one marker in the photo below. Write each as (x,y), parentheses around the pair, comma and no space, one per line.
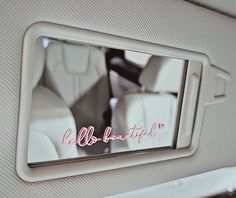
(117,160)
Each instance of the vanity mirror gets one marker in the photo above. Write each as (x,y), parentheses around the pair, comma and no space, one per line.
(90,100)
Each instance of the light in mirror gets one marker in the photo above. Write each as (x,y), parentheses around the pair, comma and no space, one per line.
(92,101)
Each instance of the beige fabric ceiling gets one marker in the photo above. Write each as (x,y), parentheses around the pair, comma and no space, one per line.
(174,23)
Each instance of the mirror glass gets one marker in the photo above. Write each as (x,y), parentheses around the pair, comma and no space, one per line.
(90,101)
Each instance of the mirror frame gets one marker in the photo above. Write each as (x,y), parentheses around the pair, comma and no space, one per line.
(111,161)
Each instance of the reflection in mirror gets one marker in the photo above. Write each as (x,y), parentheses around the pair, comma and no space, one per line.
(92,101)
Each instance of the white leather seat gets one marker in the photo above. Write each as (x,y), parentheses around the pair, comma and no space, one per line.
(155,104)
(50,118)
(77,73)
(40,147)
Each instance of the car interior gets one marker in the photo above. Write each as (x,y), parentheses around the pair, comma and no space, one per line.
(117,99)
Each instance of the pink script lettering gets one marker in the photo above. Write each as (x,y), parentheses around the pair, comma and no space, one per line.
(86,136)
